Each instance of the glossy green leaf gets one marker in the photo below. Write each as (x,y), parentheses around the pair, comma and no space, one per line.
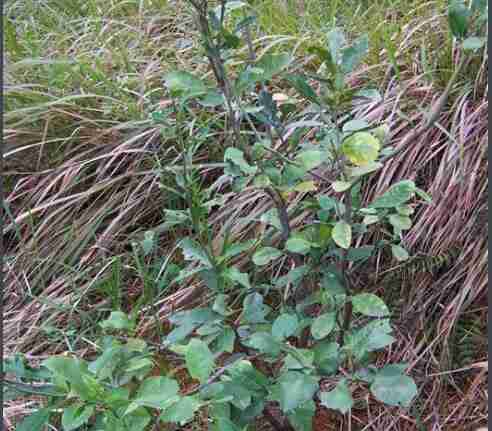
(339,398)
(327,357)
(199,360)
(399,253)
(323,325)
(265,255)
(361,148)
(76,415)
(285,326)
(396,195)
(342,234)
(369,304)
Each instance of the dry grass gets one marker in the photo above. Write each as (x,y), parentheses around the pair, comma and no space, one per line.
(80,161)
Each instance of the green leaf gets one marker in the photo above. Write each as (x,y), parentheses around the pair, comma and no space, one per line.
(148,242)
(370,219)
(458,16)
(400,222)
(341,186)
(35,422)
(184,83)
(285,326)
(199,360)
(327,357)
(298,245)
(358,171)
(399,253)
(71,370)
(300,84)
(473,43)
(118,321)
(339,398)
(76,415)
(479,6)
(369,304)
(212,99)
(225,341)
(182,411)
(336,41)
(236,157)
(155,392)
(254,310)
(375,335)
(353,55)
(301,418)
(265,255)
(194,252)
(310,159)
(323,325)
(360,253)
(220,305)
(233,274)
(342,234)
(293,389)
(397,195)
(361,148)
(394,389)
(137,420)
(298,359)
(264,343)
(272,64)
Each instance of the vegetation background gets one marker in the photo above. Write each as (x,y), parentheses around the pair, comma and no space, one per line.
(83,180)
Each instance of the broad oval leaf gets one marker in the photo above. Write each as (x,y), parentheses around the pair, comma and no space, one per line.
(76,415)
(339,398)
(342,234)
(298,245)
(35,422)
(323,325)
(285,326)
(265,255)
(264,342)
(310,159)
(397,195)
(293,389)
(400,221)
(361,148)
(369,304)
(182,411)
(155,392)
(341,186)
(399,253)
(199,360)
(394,390)
(182,82)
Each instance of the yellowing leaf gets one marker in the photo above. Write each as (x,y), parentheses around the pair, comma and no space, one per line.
(340,186)
(306,186)
(342,234)
(361,148)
